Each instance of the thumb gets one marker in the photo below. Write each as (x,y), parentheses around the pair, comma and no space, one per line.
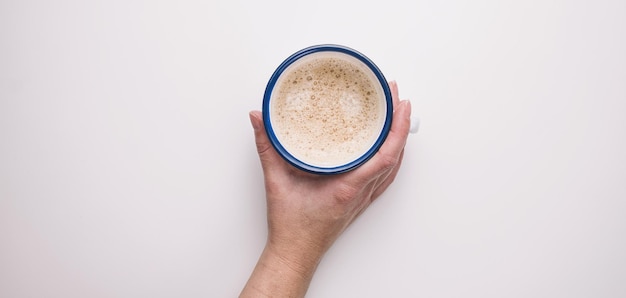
(267,154)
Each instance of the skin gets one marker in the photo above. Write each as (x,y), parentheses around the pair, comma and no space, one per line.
(306,213)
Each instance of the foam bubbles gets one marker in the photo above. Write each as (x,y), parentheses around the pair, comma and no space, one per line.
(327,109)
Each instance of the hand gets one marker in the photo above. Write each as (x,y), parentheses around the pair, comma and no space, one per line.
(307,212)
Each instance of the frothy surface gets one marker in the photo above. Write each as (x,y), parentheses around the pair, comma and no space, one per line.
(327,109)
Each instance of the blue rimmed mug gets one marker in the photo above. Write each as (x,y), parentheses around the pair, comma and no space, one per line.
(327,109)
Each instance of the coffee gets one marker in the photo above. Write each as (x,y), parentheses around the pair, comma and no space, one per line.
(327,109)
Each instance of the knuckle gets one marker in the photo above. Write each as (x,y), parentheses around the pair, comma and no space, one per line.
(388,161)
(262,147)
(346,193)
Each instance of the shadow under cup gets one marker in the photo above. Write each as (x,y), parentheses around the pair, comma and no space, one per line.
(327,109)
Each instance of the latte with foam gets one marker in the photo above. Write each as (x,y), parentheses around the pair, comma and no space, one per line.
(327,109)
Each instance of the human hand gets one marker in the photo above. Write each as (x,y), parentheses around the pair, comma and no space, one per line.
(307,212)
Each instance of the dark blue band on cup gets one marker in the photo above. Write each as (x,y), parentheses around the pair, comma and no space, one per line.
(313,168)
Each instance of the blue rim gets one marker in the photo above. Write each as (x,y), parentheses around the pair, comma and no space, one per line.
(316,169)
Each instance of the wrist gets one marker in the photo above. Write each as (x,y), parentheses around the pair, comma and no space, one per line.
(280,273)
(299,257)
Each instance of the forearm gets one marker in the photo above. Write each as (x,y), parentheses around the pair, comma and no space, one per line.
(277,275)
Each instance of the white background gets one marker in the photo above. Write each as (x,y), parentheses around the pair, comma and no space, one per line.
(128,167)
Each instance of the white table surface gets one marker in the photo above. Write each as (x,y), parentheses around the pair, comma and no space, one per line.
(128,168)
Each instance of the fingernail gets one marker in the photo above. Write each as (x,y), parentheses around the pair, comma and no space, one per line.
(408,103)
(406,106)
(254,121)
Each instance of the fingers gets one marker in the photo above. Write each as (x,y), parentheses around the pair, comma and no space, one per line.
(382,186)
(388,156)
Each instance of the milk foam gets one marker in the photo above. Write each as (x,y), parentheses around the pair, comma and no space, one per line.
(327,109)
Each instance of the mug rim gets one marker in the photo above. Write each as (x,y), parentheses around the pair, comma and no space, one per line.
(284,153)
